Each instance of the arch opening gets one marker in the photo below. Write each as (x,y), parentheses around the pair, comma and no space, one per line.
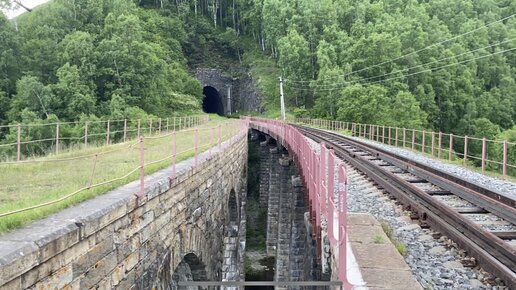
(233,208)
(190,268)
(212,101)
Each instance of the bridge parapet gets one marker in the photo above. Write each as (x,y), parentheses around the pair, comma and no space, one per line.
(317,166)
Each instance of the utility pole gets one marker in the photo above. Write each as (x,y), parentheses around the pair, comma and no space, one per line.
(229,99)
(282,98)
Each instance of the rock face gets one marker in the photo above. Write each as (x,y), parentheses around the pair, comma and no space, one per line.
(242,91)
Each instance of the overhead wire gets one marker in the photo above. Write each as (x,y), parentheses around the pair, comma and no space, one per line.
(415,73)
(417,51)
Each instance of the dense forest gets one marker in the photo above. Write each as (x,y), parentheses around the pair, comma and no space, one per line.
(442,65)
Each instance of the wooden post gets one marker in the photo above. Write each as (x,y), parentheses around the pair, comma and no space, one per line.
(484,154)
(57,138)
(86,134)
(139,128)
(150,127)
(433,143)
(413,138)
(504,161)
(423,142)
(404,135)
(107,133)
(396,137)
(383,134)
(389,137)
(465,149)
(18,146)
(450,153)
(377,133)
(439,144)
(125,129)
(159,127)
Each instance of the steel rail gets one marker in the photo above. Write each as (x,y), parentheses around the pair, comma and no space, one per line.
(491,251)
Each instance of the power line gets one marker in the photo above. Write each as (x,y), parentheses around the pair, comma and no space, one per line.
(423,64)
(415,73)
(420,50)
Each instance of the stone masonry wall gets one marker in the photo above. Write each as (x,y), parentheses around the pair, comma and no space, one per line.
(117,241)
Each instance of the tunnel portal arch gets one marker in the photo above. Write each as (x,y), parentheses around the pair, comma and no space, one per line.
(212,101)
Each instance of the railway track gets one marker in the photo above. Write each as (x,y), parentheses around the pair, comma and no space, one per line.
(481,221)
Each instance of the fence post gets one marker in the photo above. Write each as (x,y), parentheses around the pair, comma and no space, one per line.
(174,149)
(57,138)
(142,169)
(439,144)
(18,144)
(383,134)
(404,135)
(423,142)
(174,122)
(220,137)
(396,137)
(484,154)
(150,127)
(465,149)
(125,129)
(377,133)
(196,145)
(86,134)
(504,161)
(413,138)
(139,123)
(389,135)
(107,133)
(451,147)
(159,127)
(433,143)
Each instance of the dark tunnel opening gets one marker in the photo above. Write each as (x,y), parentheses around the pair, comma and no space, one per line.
(212,102)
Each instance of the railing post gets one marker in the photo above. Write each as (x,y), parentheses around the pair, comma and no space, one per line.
(220,137)
(389,135)
(86,134)
(383,134)
(343,228)
(413,138)
(142,169)
(451,148)
(174,149)
(484,154)
(404,135)
(396,137)
(504,161)
(423,142)
(57,138)
(465,149)
(433,143)
(18,144)
(107,133)
(139,123)
(159,127)
(125,129)
(439,144)
(196,145)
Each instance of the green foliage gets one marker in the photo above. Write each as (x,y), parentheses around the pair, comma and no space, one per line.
(69,58)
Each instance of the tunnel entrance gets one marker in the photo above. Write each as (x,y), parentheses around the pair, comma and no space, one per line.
(212,101)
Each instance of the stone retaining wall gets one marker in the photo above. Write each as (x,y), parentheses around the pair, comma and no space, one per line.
(119,241)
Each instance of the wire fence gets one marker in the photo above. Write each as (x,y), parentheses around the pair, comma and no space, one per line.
(489,155)
(32,188)
(25,141)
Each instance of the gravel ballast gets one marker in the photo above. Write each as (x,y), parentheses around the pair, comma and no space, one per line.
(434,260)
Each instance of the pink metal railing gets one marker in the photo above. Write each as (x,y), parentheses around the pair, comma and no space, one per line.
(318,171)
